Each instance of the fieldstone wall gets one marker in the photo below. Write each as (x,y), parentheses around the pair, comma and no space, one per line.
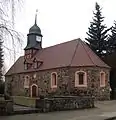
(66,81)
(14,85)
(93,83)
(64,103)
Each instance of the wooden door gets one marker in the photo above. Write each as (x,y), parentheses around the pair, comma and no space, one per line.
(34,91)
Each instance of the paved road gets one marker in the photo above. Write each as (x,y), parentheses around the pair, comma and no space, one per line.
(104,110)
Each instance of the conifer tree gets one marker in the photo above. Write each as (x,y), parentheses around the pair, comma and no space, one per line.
(97,33)
(1,59)
(1,67)
(111,44)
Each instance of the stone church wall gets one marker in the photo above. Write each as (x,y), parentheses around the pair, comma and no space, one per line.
(65,85)
(93,83)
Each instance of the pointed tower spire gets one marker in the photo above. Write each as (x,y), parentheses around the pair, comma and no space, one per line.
(36,17)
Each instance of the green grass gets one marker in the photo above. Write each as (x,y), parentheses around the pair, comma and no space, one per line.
(26,101)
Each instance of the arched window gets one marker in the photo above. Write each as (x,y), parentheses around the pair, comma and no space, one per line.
(80,79)
(54,80)
(26,81)
(102,79)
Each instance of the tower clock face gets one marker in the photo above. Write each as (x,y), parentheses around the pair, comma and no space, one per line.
(38,38)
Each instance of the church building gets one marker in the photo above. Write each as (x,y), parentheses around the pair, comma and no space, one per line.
(65,69)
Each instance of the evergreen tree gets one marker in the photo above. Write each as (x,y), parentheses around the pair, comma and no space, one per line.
(2,86)
(111,44)
(97,33)
(1,59)
(1,67)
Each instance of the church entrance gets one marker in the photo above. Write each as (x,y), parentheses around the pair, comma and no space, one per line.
(34,90)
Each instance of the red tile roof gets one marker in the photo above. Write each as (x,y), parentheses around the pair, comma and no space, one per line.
(71,53)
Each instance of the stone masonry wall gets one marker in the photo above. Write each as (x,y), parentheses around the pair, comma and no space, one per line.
(66,77)
(93,83)
(14,84)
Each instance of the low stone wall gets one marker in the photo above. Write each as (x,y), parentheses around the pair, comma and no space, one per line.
(64,103)
(6,107)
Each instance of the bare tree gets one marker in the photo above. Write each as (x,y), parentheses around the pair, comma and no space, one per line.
(13,6)
(8,35)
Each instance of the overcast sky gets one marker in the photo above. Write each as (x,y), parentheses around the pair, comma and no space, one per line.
(61,20)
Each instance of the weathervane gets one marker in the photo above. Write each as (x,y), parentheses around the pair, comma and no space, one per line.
(36,16)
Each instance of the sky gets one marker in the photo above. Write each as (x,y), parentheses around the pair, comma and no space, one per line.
(60,20)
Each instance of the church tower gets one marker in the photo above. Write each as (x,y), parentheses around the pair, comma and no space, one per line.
(34,40)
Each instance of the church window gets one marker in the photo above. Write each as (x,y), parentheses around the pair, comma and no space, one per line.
(102,79)
(80,79)
(26,81)
(54,80)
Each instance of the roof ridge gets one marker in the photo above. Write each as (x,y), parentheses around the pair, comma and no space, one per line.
(87,52)
(74,52)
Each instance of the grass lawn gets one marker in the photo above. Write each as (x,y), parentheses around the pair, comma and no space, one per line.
(26,101)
